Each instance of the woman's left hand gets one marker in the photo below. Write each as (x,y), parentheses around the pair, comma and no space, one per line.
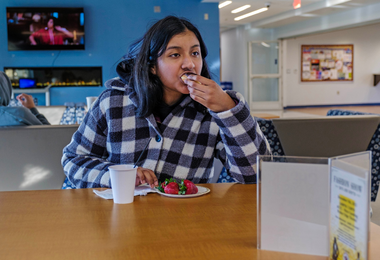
(208,93)
(144,175)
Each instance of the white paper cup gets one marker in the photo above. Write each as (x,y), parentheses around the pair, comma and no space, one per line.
(123,178)
(90,101)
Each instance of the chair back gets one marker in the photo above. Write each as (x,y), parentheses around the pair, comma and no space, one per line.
(30,156)
(374,146)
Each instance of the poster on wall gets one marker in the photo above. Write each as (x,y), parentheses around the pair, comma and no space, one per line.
(327,62)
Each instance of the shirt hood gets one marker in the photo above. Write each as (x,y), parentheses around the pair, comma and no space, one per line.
(116,83)
(122,82)
(5,89)
(124,69)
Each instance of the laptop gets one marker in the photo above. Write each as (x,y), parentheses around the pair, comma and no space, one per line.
(30,156)
(327,136)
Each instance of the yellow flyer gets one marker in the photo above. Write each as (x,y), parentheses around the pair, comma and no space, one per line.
(349,219)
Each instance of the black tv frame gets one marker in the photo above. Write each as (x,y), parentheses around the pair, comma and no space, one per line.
(46,10)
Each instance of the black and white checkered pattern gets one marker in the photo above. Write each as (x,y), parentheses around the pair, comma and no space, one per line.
(184,149)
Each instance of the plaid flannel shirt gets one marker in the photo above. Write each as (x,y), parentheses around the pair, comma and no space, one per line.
(111,133)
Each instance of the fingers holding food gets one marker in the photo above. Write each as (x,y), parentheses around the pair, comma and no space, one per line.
(185,77)
(146,176)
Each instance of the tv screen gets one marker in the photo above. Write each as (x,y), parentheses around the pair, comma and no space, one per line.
(27,83)
(32,28)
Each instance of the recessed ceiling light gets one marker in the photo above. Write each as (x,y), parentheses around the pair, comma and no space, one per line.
(338,6)
(265,44)
(332,4)
(237,10)
(308,15)
(251,13)
(225,3)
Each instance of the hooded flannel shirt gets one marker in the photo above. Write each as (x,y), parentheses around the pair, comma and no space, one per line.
(184,147)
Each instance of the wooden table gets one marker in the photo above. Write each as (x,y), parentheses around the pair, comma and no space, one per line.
(265,115)
(76,224)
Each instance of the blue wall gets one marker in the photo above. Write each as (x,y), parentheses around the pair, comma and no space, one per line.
(110,27)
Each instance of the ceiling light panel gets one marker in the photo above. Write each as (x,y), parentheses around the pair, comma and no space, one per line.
(251,13)
(225,3)
(308,15)
(237,10)
(338,6)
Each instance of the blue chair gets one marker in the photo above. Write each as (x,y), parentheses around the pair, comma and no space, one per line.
(373,146)
(68,117)
(67,185)
(80,112)
(73,114)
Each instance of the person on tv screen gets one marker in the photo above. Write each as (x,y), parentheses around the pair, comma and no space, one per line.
(17,116)
(50,35)
(165,115)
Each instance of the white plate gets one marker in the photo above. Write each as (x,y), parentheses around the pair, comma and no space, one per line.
(201,191)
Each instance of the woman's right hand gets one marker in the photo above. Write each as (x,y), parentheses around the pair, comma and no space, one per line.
(26,100)
(144,175)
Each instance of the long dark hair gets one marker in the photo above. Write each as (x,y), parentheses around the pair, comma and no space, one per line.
(135,69)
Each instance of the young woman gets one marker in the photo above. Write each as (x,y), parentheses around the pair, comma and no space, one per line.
(165,115)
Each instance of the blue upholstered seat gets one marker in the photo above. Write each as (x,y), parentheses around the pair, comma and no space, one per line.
(67,185)
(73,114)
(80,112)
(373,146)
(68,117)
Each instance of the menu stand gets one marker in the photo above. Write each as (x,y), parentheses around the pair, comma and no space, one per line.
(297,202)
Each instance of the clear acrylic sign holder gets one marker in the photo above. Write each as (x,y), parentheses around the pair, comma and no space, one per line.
(293,201)
(350,198)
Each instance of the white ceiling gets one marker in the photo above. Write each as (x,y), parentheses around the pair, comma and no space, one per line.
(281,12)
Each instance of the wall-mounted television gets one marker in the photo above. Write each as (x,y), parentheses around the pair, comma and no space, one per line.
(45,28)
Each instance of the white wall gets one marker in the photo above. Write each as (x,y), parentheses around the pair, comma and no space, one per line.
(366,41)
(234,54)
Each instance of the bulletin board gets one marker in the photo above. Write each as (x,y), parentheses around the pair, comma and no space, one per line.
(327,63)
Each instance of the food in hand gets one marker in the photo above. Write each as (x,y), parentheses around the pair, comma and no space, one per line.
(170,186)
(184,76)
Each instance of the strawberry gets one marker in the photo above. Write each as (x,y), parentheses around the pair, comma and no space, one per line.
(190,187)
(171,188)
